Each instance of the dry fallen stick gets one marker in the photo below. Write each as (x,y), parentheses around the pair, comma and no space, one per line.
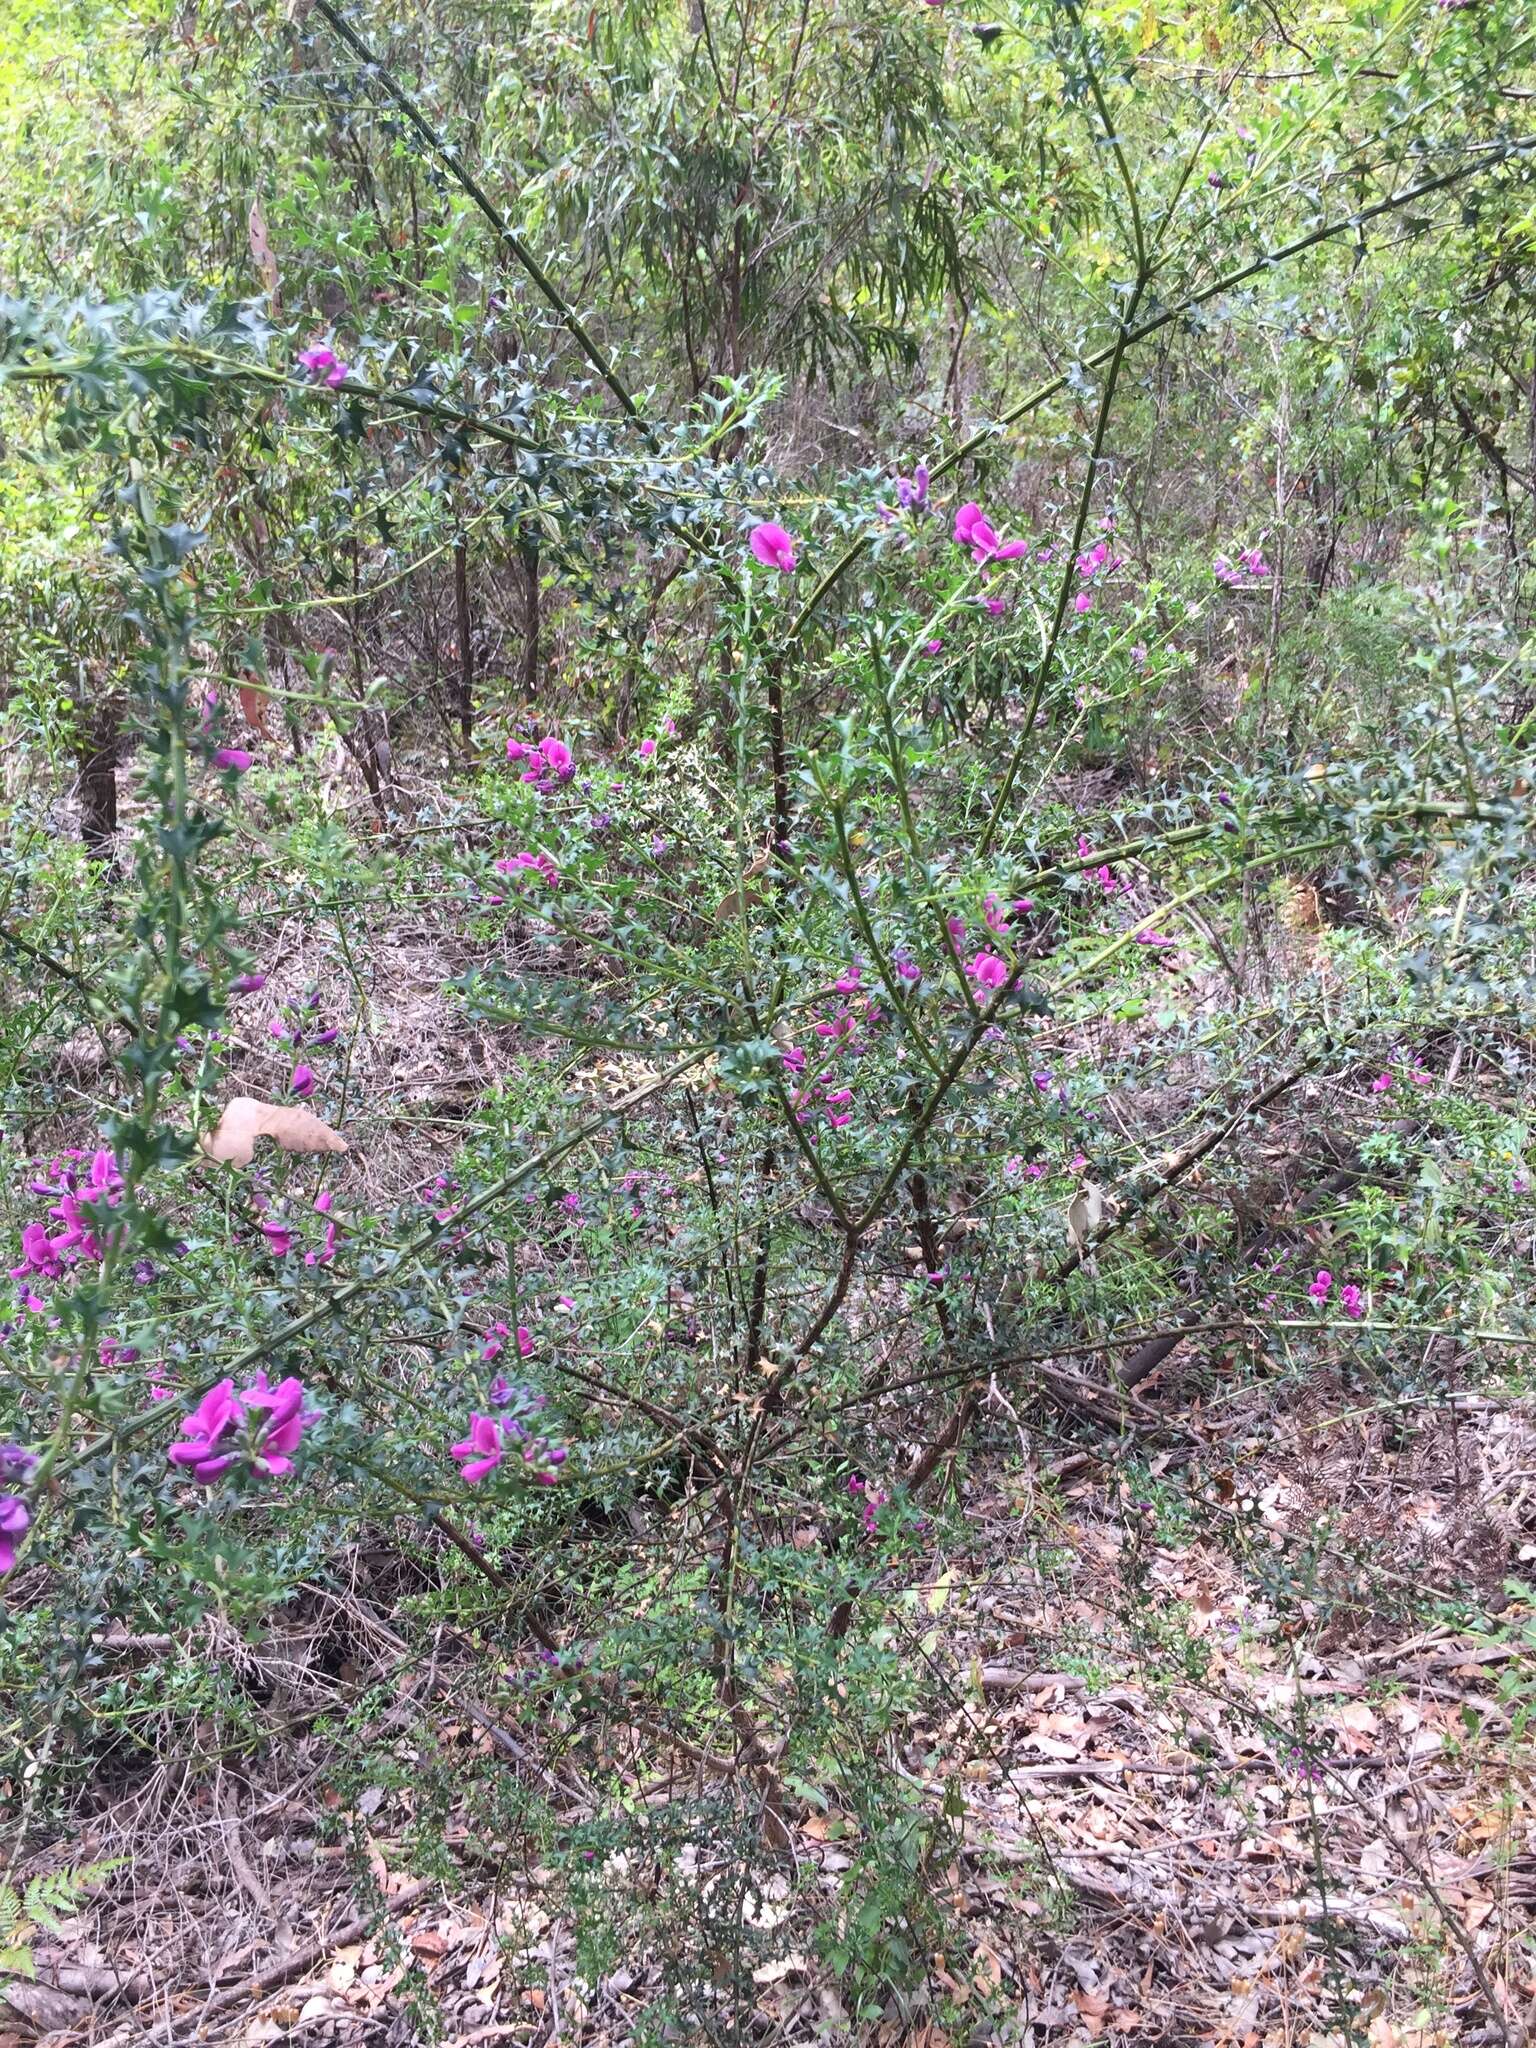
(257,1986)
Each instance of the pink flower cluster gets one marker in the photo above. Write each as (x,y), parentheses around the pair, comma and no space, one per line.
(16,1467)
(1104,874)
(976,532)
(842,1035)
(1419,1076)
(1351,1297)
(496,1341)
(912,491)
(45,1255)
(1090,563)
(261,1426)
(491,1440)
(283,1237)
(987,967)
(1250,567)
(874,1498)
(323,366)
(997,917)
(291,1026)
(549,763)
(540,863)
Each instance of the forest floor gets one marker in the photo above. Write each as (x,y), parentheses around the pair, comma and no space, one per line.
(1339,1845)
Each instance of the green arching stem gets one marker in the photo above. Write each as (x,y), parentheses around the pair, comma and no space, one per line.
(1068,568)
(867,932)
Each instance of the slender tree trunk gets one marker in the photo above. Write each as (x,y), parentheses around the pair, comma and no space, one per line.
(465,633)
(97,757)
(531,618)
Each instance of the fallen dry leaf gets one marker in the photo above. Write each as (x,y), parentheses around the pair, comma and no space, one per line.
(233,1138)
(253,707)
(261,252)
(1356,1724)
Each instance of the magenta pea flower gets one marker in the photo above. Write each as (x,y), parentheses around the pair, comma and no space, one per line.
(988,970)
(280,1239)
(975,531)
(276,1440)
(1249,566)
(1083,602)
(1093,559)
(17,1462)
(848,980)
(907,967)
(39,1255)
(558,757)
(247,984)
(1352,1301)
(14,1522)
(773,547)
(323,365)
(1381,1084)
(912,491)
(302,1081)
(481,1451)
(207,1432)
(647,749)
(1321,1285)
(236,759)
(540,863)
(327,1251)
(933,647)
